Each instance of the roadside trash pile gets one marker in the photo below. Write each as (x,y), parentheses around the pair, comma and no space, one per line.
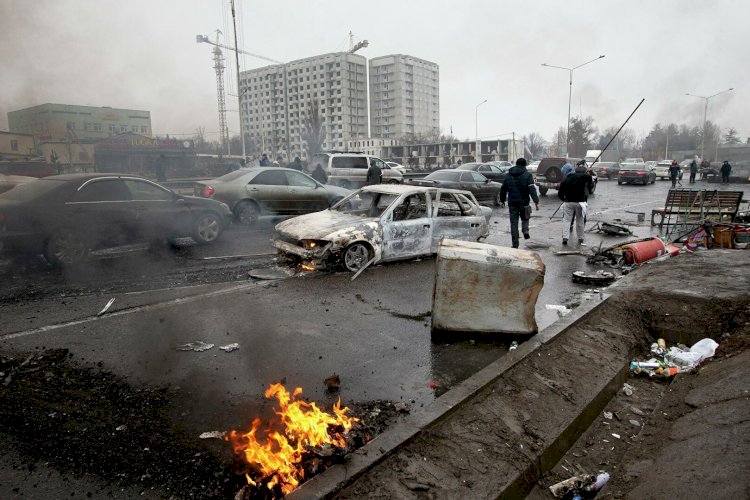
(578,487)
(666,363)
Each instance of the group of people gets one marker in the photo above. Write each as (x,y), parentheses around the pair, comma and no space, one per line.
(705,165)
(519,190)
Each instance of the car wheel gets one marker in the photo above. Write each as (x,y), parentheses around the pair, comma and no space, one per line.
(543,191)
(393,181)
(247,213)
(619,182)
(356,256)
(65,248)
(207,228)
(497,199)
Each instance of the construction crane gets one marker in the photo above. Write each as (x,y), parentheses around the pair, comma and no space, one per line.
(205,39)
(359,45)
(219,67)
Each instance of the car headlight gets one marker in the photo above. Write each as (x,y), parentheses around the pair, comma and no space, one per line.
(312,244)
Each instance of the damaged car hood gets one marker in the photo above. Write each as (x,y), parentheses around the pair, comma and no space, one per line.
(318,225)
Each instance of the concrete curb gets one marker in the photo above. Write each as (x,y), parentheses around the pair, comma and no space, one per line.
(339,476)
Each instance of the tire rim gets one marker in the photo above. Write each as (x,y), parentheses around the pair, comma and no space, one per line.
(68,249)
(356,256)
(248,215)
(208,228)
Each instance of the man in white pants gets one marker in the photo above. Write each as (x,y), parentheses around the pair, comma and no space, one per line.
(574,191)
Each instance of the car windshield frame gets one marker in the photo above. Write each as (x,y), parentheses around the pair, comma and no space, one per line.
(352,204)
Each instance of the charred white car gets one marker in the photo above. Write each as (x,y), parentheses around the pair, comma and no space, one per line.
(382,223)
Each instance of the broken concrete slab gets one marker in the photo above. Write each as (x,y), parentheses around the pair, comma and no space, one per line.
(485,288)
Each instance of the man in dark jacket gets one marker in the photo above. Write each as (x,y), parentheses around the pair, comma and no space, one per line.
(693,170)
(574,191)
(518,188)
(726,169)
(319,174)
(374,174)
(674,172)
(264,162)
(296,164)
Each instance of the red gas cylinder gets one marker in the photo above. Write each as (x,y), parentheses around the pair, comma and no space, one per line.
(637,253)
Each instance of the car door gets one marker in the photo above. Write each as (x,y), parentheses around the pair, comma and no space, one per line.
(159,213)
(407,228)
(305,195)
(269,190)
(102,210)
(486,170)
(455,216)
(480,187)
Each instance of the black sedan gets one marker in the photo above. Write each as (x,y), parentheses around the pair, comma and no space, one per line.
(65,216)
(492,172)
(484,190)
(636,173)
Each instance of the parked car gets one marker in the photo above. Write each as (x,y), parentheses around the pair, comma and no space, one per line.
(661,170)
(633,160)
(636,173)
(382,223)
(480,186)
(349,170)
(492,172)
(396,166)
(549,173)
(8,182)
(65,216)
(532,167)
(606,169)
(500,163)
(255,192)
(651,164)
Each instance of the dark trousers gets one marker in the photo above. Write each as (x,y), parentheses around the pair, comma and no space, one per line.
(674,180)
(516,213)
(725,178)
(692,177)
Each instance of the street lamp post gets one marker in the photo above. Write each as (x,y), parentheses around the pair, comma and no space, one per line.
(477,146)
(705,113)
(570,94)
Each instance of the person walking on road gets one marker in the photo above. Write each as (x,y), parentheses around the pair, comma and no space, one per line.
(374,174)
(726,169)
(518,188)
(264,160)
(674,172)
(319,174)
(566,170)
(573,192)
(693,171)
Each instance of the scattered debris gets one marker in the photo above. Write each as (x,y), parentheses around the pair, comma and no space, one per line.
(627,389)
(230,347)
(608,415)
(581,486)
(637,411)
(616,435)
(401,407)
(677,359)
(513,346)
(197,346)
(212,435)
(561,310)
(106,307)
(121,428)
(332,383)
(598,278)
(612,229)
(634,423)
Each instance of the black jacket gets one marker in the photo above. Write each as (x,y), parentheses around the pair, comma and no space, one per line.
(296,165)
(374,175)
(320,175)
(518,187)
(726,168)
(576,187)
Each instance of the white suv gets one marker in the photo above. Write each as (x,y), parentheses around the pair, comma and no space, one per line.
(349,170)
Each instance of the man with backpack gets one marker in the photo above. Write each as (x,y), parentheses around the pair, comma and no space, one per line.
(518,188)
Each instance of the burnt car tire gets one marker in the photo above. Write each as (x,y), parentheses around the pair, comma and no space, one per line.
(66,248)
(356,256)
(247,213)
(543,191)
(207,228)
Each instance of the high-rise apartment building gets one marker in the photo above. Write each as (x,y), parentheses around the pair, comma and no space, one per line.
(404,97)
(279,102)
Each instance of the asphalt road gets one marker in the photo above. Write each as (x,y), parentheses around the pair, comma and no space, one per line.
(374,331)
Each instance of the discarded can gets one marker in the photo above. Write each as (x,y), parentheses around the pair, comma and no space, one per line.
(513,346)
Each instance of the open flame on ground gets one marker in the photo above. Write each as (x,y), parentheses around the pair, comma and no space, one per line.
(277,454)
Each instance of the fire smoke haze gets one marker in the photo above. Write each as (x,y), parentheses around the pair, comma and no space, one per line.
(142,54)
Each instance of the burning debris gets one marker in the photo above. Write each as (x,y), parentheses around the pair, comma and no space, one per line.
(294,446)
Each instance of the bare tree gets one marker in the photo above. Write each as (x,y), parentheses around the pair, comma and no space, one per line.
(732,136)
(536,144)
(313,129)
(582,133)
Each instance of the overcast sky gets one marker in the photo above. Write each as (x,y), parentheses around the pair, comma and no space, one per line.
(142,54)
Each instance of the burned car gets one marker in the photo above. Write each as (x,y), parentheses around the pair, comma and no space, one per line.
(382,223)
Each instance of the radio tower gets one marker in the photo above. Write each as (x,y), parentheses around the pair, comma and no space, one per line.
(219,67)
